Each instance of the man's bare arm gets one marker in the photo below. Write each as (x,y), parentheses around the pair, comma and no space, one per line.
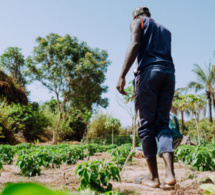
(131,54)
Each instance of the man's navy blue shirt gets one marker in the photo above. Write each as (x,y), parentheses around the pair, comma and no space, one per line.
(155,48)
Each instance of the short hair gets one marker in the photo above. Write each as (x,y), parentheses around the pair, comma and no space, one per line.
(141,11)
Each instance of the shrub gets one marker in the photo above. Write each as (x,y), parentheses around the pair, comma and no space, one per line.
(97,174)
(12,92)
(200,157)
(23,118)
(207,129)
(119,155)
(7,153)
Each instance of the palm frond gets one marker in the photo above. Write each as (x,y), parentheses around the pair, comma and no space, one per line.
(195,85)
(181,90)
(201,76)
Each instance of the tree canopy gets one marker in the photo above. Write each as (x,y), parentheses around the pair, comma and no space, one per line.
(71,69)
(13,61)
(205,81)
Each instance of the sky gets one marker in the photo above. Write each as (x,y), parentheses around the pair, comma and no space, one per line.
(104,24)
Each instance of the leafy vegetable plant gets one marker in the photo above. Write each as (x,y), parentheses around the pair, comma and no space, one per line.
(209,188)
(97,174)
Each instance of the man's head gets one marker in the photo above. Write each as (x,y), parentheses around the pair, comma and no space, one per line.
(141,11)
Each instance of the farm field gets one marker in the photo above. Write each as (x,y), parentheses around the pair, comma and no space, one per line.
(64,178)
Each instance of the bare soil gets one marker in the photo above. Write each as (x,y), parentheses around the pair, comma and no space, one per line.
(64,178)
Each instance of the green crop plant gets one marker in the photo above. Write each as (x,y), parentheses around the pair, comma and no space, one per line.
(29,164)
(119,155)
(209,188)
(200,157)
(96,175)
(7,153)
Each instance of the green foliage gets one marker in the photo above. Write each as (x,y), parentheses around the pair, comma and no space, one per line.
(35,189)
(130,93)
(13,61)
(70,68)
(78,126)
(200,157)
(97,174)
(51,105)
(99,148)
(1,164)
(101,126)
(113,124)
(6,133)
(205,81)
(97,127)
(10,91)
(31,158)
(102,148)
(29,164)
(27,189)
(209,188)
(207,130)
(112,193)
(23,146)
(119,155)
(23,118)
(118,140)
(7,153)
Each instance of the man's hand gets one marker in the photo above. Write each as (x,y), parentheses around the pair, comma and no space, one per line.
(120,86)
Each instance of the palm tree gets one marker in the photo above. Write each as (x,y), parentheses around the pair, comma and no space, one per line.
(205,81)
(178,107)
(195,103)
(114,124)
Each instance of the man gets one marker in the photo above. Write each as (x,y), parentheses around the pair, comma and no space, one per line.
(154,89)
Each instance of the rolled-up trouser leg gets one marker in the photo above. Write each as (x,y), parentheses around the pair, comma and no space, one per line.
(164,103)
(152,112)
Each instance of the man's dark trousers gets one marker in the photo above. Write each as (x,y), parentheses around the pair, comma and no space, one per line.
(154,90)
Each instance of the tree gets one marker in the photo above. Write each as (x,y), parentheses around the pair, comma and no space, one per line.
(178,105)
(206,81)
(13,61)
(113,124)
(195,103)
(97,127)
(11,91)
(70,69)
(87,117)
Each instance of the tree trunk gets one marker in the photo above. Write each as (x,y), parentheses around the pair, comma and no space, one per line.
(210,109)
(88,144)
(182,121)
(134,131)
(198,132)
(112,135)
(54,140)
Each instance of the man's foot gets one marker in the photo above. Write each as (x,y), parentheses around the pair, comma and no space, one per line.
(169,169)
(148,181)
(165,186)
(154,183)
(170,179)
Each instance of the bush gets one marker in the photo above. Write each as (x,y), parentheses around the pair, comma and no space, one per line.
(97,174)
(7,153)
(200,157)
(23,119)
(118,140)
(207,130)
(10,91)
(120,154)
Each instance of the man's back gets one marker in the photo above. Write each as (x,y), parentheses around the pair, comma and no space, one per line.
(155,48)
